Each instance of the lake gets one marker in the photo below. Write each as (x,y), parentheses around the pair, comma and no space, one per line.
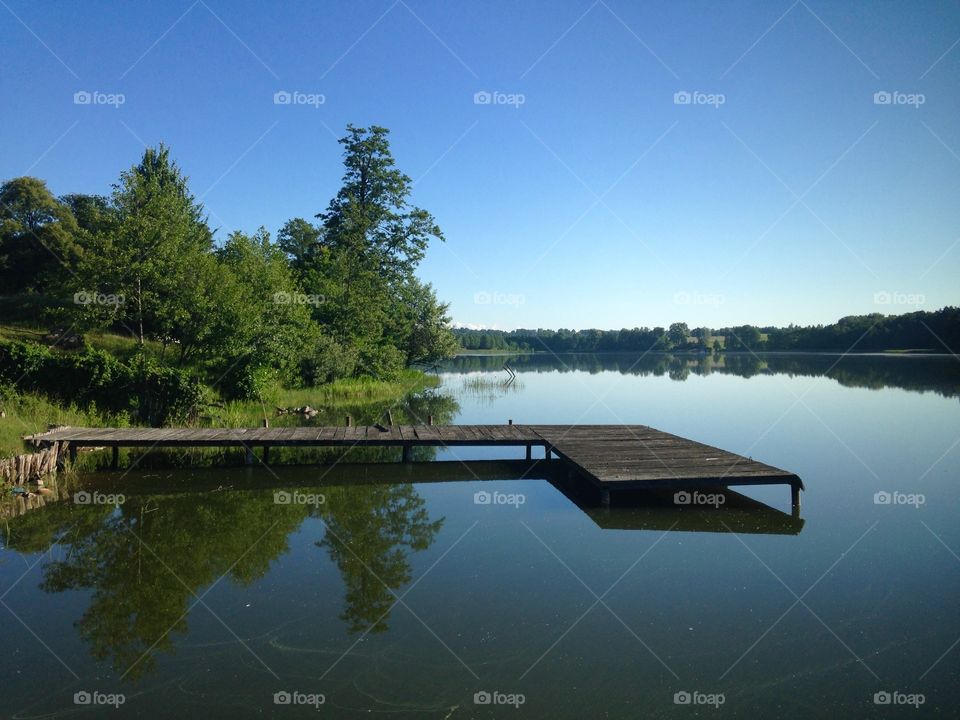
(390,591)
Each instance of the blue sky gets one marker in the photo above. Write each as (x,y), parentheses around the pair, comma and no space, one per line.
(586,193)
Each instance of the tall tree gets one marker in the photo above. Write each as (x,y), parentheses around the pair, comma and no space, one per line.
(38,245)
(161,232)
(371,241)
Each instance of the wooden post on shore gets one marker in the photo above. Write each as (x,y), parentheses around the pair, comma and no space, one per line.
(389,418)
(349,421)
(429,419)
(266,448)
(509,422)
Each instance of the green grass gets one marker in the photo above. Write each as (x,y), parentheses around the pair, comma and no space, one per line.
(27,413)
(333,401)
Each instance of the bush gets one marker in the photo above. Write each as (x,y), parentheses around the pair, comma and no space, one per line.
(383,362)
(96,378)
(245,379)
(330,361)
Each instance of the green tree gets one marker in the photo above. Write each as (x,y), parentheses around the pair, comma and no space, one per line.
(160,236)
(678,333)
(363,258)
(273,328)
(38,247)
(300,240)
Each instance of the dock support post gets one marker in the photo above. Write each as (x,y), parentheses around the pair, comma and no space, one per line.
(248,459)
(406,453)
(529,452)
(795,498)
(115,458)
(509,422)
(266,454)
(605,497)
(429,419)
(349,421)
(73,454)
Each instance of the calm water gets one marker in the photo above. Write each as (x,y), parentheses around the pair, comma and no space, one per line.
(390,593)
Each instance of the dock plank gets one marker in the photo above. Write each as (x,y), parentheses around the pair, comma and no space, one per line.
(608,455)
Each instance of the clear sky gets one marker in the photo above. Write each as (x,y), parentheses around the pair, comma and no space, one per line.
(585,192)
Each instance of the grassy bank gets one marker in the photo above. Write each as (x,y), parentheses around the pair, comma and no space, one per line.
(27,413)
(352,396)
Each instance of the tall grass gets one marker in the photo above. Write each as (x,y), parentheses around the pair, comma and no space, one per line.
(27,413)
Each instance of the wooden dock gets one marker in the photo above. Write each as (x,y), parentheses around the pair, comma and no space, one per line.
(610,457)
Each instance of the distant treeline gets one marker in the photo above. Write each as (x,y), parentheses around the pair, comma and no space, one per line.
(916,374)
(937,331)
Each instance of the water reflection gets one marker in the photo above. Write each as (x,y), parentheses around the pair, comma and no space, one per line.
(146,563)
(940,374)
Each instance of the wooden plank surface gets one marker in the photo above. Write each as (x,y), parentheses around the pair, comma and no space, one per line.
(607,454)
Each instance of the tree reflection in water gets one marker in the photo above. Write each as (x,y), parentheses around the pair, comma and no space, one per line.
(148,561)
